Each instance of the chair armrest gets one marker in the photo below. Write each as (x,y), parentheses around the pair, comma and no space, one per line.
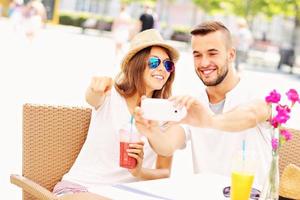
(32,188)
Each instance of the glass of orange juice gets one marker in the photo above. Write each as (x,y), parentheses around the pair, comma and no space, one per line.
(242,175)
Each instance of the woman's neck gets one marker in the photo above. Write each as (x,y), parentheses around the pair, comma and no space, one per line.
(132,102)
(149,93)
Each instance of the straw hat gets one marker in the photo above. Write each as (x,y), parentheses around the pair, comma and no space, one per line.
(290,182)
(147,38)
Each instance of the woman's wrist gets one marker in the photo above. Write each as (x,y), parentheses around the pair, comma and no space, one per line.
(139,174)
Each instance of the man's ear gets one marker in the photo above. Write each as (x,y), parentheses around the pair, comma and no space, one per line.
(232,54)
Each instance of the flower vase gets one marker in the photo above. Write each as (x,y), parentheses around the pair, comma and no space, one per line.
(270,190)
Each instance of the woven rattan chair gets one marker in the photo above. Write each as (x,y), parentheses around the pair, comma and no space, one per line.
(289,163)
(52,139)
(290,152)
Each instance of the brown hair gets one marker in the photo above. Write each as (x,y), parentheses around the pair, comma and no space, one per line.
(210,27)
(131,79)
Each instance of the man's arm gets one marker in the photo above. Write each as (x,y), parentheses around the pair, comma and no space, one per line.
(239,118)
(242,117)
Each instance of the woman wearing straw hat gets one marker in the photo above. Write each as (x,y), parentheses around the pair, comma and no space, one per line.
(147,69)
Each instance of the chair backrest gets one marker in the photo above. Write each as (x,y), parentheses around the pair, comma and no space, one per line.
(290,151)
(52,139)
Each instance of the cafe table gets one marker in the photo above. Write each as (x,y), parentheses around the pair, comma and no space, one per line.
(204,186)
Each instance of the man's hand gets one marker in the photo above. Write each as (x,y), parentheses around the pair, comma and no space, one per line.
(197,114)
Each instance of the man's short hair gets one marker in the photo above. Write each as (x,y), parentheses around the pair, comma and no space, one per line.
(210,27)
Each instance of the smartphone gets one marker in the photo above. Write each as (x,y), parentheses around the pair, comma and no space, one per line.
(161,110)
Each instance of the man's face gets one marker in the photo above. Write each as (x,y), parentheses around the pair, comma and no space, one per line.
(212,58)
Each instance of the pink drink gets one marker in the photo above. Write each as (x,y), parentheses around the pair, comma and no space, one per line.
(125,160)
(128,135)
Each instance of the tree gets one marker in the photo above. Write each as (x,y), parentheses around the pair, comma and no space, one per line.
(250,8)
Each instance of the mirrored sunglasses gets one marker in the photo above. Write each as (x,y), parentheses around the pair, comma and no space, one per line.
(154,62)
(255,193)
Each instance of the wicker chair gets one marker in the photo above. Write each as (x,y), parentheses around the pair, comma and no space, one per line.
(289,167)
(290,152)
(52,139)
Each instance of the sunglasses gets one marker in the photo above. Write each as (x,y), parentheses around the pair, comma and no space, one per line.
(255,193)
(154,62)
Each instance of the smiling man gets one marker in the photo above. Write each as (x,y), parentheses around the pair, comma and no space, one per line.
(213,55)
(224,115)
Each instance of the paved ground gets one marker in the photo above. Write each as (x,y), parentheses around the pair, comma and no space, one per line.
(56,69)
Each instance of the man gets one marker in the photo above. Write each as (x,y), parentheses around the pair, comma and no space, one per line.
(225,105)
(147,19)
(243,42)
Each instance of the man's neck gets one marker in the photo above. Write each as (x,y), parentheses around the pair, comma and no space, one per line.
(218,93)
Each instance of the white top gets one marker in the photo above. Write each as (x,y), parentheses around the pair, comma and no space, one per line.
(98,161)
(212,150)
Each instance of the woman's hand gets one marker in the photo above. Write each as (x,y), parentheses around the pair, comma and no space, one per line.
(145,127)
(97,90)
(101,85)
(136,151)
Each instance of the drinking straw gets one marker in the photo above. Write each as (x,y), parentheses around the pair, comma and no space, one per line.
(131,124)
(243,154)
(244,149)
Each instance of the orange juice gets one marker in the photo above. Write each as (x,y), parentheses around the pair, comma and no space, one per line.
(241,184)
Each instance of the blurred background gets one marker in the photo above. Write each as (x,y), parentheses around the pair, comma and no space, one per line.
(50,49)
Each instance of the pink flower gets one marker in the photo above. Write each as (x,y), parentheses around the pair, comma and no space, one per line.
(286,134)
(274,122)
(274,143)
(293,96)
(283,109)
(274,97)
(281,118)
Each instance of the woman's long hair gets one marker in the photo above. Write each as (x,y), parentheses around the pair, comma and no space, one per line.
(131,79)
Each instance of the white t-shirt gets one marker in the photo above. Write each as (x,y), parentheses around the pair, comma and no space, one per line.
(213,150)
(98,161)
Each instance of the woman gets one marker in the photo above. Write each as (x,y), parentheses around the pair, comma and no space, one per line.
(121,29)
(147,69)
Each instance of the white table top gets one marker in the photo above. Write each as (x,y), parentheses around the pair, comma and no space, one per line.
(199,186)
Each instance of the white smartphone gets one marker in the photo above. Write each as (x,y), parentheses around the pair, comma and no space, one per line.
(161,110)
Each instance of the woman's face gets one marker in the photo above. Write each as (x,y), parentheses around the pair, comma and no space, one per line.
(155,78)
